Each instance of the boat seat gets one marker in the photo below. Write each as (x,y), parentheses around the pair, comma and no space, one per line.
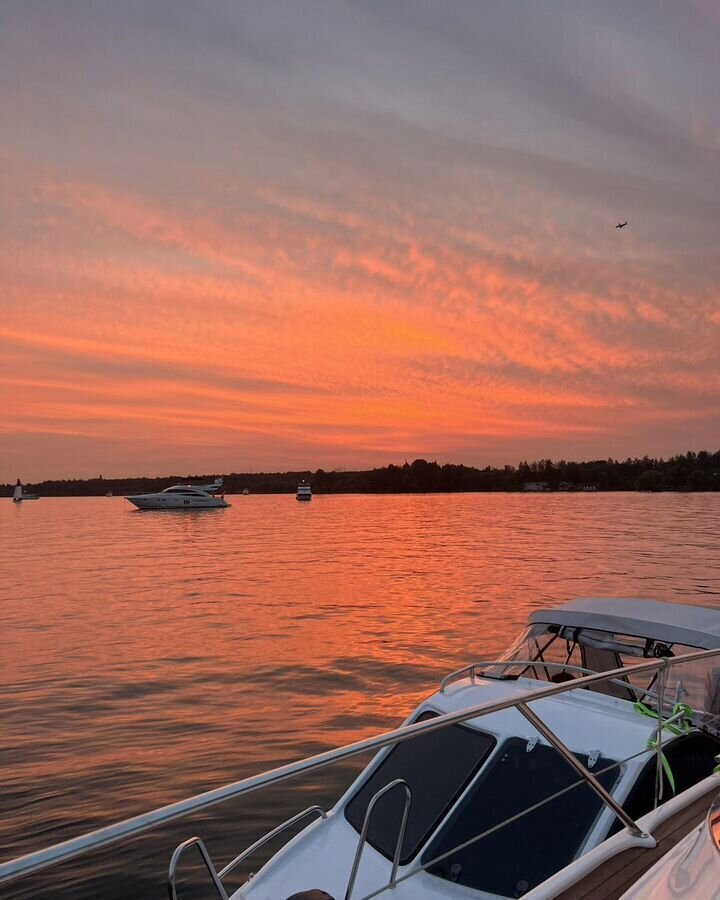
(601,660)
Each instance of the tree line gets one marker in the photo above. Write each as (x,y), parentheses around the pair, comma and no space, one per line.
(686,472)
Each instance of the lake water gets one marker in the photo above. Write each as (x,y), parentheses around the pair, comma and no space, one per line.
(146,656)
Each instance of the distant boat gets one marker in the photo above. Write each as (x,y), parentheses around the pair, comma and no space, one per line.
(109,494)
(303,492)
(245,491)
(179,496)
(19,495)
(536,487)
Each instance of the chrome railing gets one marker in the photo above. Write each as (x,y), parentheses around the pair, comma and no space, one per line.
(399,782)
(310,811)
(216,876)
(212,871)
(470,670)
(592,781)
(111,834)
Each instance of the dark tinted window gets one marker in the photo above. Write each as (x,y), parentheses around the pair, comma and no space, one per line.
(437,767)
(522,854)
(690,757)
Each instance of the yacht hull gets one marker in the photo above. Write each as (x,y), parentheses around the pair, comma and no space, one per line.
(151,501)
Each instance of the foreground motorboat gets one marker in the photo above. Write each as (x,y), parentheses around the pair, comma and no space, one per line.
(180,496)
(304,491)
(557,784)
(19,494)
(563,770)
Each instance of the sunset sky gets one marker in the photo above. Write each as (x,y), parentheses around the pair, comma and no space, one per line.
(314,233)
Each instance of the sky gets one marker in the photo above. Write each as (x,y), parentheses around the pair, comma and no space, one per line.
(274,235)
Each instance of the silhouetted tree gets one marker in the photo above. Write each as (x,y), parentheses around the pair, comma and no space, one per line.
(650,480)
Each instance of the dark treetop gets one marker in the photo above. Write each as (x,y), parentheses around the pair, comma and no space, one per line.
(686,472)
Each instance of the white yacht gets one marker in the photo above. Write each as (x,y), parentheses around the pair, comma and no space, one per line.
(19,494)
(179,496)
(564,770)
(304,491)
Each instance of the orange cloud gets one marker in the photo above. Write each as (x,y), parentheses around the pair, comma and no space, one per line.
(317,330)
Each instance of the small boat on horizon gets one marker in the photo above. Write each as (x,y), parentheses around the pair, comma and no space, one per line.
(304,492)
(19,494)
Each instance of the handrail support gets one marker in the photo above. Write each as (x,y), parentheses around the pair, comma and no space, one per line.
(570,758)
(172,870)
(270,835)
(399,782)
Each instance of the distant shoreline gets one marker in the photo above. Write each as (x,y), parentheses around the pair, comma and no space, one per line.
(688,472)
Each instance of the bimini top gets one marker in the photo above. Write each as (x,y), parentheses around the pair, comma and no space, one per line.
(672,623)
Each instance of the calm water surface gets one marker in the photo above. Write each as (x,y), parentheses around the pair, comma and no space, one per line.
(146,656)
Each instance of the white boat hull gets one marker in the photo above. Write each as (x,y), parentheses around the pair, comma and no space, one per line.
(167,501)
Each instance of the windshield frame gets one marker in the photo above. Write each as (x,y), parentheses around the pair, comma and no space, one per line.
(571,651)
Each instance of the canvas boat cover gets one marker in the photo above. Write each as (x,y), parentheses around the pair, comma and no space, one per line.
(671,623)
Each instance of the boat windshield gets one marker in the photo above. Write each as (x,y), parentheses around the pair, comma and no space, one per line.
(695,682)
(434,788)
(548,814)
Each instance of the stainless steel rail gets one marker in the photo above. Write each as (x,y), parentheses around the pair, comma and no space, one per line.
(216,876)
(311,810)
(573,761)
(399,782)
(102,837)
(530,663)
(179,850)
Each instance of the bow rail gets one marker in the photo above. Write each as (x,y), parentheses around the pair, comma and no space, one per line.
(471,671)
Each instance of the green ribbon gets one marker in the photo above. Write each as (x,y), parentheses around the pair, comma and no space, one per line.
(682,726)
